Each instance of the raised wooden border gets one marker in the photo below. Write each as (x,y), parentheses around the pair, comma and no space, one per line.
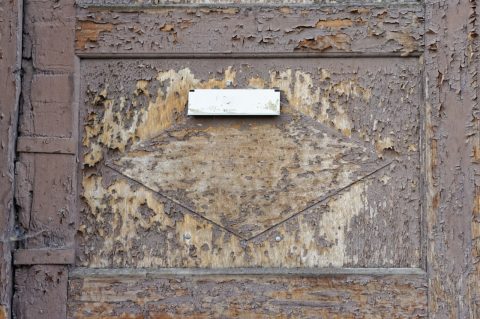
(53,145)
(247,293)
(44,256)
(452,158)
(155,31)
(45,187)
(82,272)
(10,65)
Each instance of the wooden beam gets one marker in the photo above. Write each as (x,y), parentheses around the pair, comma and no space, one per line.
(44,256)
(452,158)
(233,296)
(11,16)
(82,272)
(51,145)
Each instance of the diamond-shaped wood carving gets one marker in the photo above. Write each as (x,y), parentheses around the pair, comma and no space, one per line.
(248,177)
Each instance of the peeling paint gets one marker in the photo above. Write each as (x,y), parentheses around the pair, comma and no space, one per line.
(339,42)
(271,296)
(183,230)
(328,28)
(90,32)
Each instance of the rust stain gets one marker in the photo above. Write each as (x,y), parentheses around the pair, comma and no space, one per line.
(3,312)
(89,31)
(338,41)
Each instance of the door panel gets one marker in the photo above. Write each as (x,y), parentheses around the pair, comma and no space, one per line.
(319,185)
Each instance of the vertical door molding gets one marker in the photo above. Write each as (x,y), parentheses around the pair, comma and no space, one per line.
(45,190)
(452,157)
(10,60)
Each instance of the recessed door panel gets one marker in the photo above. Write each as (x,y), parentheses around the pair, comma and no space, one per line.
(318,186)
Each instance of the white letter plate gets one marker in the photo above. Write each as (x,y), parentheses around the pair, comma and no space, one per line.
(234,102)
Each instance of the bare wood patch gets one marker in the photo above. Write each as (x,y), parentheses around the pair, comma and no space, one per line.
(147,163)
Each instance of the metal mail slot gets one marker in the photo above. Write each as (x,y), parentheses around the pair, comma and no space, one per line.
(234,102)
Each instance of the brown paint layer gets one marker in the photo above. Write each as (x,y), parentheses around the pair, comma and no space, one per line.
(10,52)
(342,296)
(341,29)
(40,292)
(451,82)
(45,188)
(27,144)
(44,256)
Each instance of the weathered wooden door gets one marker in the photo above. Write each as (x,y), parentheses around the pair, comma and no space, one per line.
(359,201)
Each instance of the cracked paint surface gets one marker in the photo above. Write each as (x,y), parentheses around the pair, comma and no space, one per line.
(328,29)
(137,209)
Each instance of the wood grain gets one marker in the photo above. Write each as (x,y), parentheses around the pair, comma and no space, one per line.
(271,180)
(229,296)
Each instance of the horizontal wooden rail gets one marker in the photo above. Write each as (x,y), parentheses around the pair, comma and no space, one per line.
(161,272)
(53,145)
(44,256)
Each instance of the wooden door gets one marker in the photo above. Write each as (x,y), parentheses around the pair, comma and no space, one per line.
(359,201)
